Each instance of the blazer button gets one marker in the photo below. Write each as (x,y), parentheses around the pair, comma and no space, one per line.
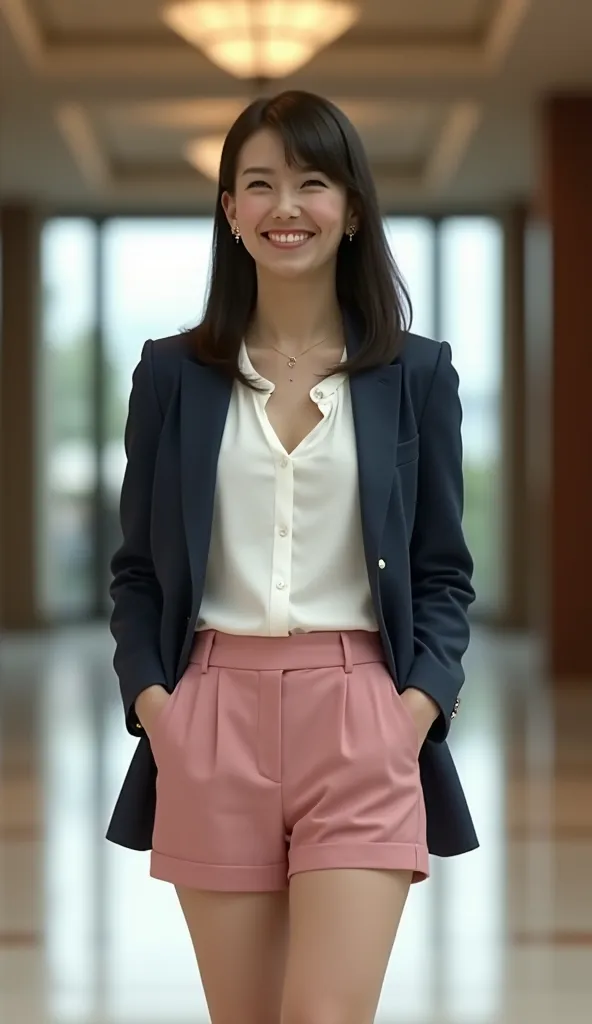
(381,563)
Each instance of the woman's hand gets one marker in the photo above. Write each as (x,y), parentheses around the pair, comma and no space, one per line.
(149,705)
(423,710)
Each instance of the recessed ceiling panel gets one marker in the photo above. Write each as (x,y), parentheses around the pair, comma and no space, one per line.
(411,20)
(429,18)
(392,131)
(127,17)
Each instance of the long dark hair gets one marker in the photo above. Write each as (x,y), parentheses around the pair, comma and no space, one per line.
(370,289)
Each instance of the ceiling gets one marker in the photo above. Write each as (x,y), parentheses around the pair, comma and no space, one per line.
(98,99)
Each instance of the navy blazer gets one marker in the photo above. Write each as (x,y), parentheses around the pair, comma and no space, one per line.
(407,419)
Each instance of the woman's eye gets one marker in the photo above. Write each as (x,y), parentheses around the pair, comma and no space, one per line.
(314,181)
(257,184)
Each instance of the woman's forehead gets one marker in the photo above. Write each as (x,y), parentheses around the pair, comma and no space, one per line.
(265,147)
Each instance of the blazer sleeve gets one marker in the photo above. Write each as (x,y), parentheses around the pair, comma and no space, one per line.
(441,565)
(136,594)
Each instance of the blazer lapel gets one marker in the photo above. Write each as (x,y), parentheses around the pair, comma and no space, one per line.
(376,401)
(205,396)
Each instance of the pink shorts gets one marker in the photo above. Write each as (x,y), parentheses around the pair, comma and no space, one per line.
(277,755)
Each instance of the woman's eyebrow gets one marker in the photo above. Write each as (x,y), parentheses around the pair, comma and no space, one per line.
(258,170)
(301,168)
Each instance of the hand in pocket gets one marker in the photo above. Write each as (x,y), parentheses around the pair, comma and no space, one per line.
(150,705)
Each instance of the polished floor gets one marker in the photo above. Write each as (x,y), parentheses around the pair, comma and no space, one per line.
(501,936)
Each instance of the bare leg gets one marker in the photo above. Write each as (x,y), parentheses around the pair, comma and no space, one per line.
(240,942)
(342,928)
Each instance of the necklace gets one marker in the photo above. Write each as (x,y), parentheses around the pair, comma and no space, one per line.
(292,360)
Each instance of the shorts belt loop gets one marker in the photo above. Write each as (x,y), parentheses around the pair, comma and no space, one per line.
(347,654)
(205,659)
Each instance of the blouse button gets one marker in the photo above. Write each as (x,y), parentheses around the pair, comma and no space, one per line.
(318,393)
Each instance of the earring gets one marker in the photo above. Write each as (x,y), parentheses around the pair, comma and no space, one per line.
(351,232)
(236,233)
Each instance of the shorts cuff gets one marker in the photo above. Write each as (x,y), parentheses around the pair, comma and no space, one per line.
(382,856)
(218,877)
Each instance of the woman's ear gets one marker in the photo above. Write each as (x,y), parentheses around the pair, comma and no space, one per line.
(352,218)
(228,203)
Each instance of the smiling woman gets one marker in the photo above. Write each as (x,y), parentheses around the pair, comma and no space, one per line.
(291,590)
(294,210)
(295,188)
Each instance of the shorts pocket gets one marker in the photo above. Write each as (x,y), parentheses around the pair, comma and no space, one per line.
(160,728)
(405,717)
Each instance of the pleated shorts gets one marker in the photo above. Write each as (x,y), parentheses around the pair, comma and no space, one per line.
(277,755)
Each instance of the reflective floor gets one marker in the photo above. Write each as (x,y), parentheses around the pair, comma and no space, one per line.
(502,935)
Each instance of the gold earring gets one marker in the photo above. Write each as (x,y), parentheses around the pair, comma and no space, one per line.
(351,232)
(236,233)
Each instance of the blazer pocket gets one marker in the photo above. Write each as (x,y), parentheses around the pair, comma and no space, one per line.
(408,451)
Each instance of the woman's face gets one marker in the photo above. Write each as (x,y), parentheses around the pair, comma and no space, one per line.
(291,220)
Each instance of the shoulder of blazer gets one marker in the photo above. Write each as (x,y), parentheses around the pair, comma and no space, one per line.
(419,358)
(167,356)
(419,354)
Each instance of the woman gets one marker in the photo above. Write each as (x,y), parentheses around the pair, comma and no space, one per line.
(291,593)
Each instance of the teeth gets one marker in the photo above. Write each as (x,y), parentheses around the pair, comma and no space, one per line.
(287,238)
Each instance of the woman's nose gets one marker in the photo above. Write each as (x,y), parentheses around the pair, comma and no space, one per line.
(286,206)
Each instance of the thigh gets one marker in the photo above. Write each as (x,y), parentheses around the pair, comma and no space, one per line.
(240,942)
(342,928)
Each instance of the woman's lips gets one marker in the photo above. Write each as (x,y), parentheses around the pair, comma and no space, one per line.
(288,239)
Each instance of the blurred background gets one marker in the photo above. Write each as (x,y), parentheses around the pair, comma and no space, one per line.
(477,117)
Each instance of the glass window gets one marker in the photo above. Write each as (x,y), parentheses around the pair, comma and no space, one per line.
(472,311)
(68,475)
(412,242)
(155,274)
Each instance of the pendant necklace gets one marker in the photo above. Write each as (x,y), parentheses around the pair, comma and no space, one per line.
(292,360)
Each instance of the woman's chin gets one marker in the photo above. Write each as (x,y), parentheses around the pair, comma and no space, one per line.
(290,269)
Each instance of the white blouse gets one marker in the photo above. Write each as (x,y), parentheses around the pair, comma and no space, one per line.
(286,553)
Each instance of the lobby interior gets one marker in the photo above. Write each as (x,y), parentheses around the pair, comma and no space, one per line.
(477,117)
